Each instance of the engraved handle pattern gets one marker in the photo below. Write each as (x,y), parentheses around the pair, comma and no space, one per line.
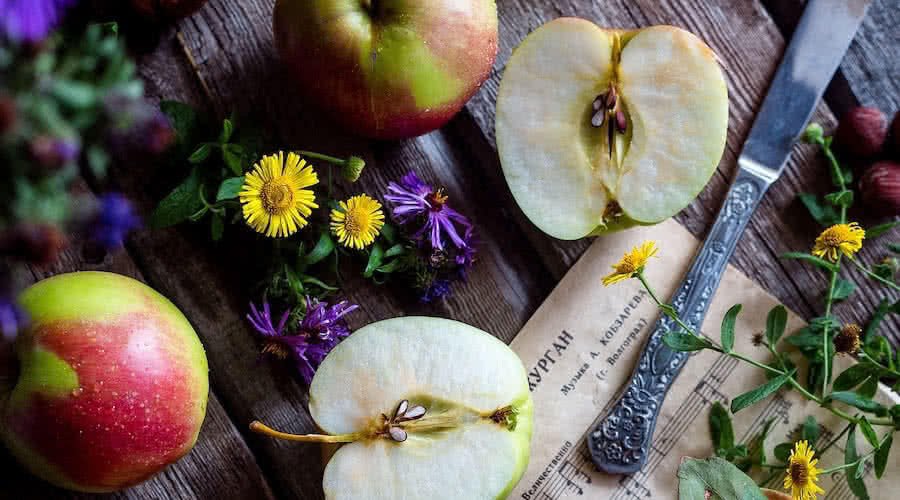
(620,443)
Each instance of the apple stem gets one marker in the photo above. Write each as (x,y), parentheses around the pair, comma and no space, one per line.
(261,428)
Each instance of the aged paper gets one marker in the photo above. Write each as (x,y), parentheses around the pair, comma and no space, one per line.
(580,348)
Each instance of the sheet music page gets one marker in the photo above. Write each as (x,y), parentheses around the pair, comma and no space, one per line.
(581,345)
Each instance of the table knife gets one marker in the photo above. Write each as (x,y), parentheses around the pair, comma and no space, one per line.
(621,443)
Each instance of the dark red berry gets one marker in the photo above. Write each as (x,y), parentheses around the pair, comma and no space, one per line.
(880,188)
(862,132)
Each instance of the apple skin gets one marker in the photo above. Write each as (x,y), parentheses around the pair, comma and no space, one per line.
(387,69)
(113,383)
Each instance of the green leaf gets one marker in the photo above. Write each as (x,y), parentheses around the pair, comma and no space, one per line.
(783,451)
(230,188)
(810,430)
(718,477)
(824,214)
(74,94)
(395,250)
(842,289)
(841,198)
(720,427)
(812,259)
(857,486)
(869,388)
(894,247)
(756,395)
(217,227)
(880,229)
(728,327)
(200,154)
(375,260)
(881,456)
(868,432)
(323,249)
(183,119)
(227,130)
(98,160)
(857,401)
(180,204)
(853,376)
(231,155)
(776,323)
(312,280)
(389,233)
(685,342)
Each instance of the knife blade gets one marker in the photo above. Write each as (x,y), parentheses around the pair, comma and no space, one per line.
(620,443)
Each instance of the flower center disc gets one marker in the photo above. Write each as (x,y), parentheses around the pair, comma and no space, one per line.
(799,474)
(276,197)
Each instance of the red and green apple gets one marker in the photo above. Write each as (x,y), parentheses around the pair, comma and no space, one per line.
(112,383)
(387,69)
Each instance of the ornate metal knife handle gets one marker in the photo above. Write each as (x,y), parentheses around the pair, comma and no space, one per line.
(620,444)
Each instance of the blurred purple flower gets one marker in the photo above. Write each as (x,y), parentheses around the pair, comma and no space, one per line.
(115,219)
(321,329)
(12,319)
(139,127)
(411,199)
(438,289)
(31,20)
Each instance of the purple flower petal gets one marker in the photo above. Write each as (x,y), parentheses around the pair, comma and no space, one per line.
(31,20)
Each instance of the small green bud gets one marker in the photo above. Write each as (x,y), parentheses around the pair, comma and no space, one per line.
(353,168)
(813,133)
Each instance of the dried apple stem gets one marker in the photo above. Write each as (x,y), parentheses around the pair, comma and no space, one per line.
(261,428)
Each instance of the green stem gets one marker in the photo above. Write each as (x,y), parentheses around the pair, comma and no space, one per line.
(826,330)
(667,309)
(874,276)
(895,373)
(320,156)
(754,363)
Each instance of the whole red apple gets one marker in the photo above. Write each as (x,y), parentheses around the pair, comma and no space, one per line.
(112,383)
(388,69)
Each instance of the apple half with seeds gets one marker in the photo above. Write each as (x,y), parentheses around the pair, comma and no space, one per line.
(601,129)
(425,408)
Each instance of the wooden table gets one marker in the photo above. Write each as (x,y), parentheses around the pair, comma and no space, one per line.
(222,59)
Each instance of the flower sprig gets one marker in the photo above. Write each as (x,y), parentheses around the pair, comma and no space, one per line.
(289,197)
(850,396)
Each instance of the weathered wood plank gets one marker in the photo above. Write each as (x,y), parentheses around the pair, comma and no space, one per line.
(220,465)
(749,44)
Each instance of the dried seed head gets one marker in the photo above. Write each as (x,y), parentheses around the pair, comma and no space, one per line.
(621,122)
(397,434)
(847,340)
(758,339)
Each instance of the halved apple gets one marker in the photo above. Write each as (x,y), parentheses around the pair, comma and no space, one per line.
(428,407)
(602,129)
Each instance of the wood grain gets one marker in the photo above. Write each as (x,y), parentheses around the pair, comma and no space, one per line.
(222,60)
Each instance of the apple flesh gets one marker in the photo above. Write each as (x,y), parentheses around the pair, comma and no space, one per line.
(112,383)
(387,69)
(465,425)
(573,178)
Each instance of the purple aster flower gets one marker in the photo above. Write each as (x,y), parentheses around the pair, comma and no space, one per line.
(115,219)
(412,199)
(12,319)
(31,20)
(321,329)
(326,322)
(438,289)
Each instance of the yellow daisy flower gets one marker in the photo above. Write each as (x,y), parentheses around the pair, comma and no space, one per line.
(801,475)
(632,262)
(358,221)
(274,200)
(839,239)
